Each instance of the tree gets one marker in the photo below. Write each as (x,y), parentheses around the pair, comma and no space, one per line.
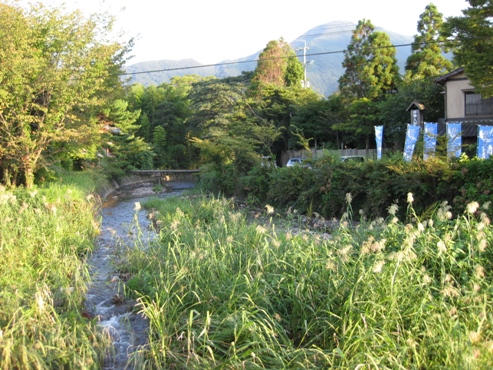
(316,119)
(471,40)
(54,73)
(370,64)
(393,109)
(127,151)
(427,58)
(278,65)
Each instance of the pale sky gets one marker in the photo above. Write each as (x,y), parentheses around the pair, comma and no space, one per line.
(211,31)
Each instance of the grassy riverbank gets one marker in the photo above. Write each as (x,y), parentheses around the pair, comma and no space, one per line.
(223,292)
(45,236)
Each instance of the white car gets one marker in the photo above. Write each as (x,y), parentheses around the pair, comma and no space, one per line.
(294,162)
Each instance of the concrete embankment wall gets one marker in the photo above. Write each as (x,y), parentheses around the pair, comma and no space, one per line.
(113,185)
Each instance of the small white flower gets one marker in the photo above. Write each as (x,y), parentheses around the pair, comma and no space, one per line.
(269,208)
(137,206)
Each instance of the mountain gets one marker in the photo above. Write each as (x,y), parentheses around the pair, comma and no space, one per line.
(324,58)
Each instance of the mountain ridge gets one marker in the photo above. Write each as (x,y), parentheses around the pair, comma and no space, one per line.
(324,55)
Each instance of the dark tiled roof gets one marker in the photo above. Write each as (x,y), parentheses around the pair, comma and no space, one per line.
(469,126)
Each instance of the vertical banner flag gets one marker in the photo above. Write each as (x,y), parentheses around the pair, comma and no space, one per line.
(485,141)
(454,139)
(430,139)
(379,139)
(411,139)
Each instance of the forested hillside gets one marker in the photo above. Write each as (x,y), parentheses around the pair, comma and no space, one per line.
(324,59)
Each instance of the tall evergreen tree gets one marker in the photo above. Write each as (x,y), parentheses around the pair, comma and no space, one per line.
(471,40)
(427,58)
(370,64)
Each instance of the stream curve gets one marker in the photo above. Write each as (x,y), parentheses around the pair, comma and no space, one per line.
(105,298)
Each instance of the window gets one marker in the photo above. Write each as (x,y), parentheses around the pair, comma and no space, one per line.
(476,106)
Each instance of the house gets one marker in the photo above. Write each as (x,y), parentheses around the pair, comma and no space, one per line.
(464,104)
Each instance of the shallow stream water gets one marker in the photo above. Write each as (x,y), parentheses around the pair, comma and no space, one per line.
(105,299)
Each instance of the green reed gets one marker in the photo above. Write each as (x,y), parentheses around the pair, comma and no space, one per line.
(224,292)
(45,237)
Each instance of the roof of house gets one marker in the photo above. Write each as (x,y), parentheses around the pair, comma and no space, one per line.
(443,79)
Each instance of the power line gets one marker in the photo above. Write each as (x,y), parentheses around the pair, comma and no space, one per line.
(247,61)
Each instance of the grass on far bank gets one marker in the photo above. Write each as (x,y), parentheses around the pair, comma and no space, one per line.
(224,292)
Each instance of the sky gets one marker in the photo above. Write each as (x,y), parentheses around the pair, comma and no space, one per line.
(212,31)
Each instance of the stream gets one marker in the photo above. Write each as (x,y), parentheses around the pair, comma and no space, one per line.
(105,299)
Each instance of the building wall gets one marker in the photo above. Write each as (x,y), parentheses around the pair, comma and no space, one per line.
(455,99)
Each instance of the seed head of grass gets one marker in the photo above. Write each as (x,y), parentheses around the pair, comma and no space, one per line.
(393,209)
(472,207)
(377,267)
(410,198)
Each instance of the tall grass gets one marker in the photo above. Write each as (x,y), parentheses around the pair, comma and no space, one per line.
(45,236)
(222,292)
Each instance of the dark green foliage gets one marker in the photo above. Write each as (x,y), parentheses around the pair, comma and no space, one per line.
(218,179)
(374,186)
(470,180)
(290,186)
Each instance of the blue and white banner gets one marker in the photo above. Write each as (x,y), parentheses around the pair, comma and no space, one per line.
(485,141)
(430,139)
(379,139)
(412,135)
(454,139)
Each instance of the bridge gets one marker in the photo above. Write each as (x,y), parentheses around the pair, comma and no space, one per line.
(161,176)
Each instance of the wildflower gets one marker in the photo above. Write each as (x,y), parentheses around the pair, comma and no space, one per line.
(482,245)
(174,225)
(394,220)
(450,291)
(269,208)
(260,229)
(474,337)
(441,246)
(344,252)
(426,279)
(137,206)
(410,198)
(349,198)
(421,227)
(485,219)
(330,265)
(229,239)
(472,207)
(377,267)
(453,311)
(479,271)
(486,205)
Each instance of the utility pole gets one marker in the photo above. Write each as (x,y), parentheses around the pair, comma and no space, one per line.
(305,82)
